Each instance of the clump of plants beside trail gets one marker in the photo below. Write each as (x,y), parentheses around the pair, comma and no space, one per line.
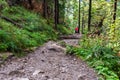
(101,52)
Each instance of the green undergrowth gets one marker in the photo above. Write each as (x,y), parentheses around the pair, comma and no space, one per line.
(99,55)
(63,30)
(16,39)
(32,30)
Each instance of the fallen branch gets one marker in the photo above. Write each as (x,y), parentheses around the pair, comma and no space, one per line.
(68,37)
(11,21)
(74,36)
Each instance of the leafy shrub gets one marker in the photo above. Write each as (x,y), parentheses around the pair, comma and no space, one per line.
(63,30)
(15,39)
(114,35)
(99,56)
(3,47)
(3,3)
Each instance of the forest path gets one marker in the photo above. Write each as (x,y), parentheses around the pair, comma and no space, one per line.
(48,62)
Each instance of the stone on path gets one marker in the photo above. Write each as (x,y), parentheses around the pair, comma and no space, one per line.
(37,72)
(56,48)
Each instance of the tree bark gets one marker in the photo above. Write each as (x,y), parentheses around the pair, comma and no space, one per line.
(115,9)
(56,13)
(83,24)
(79,18)
(89,16)
(44,9)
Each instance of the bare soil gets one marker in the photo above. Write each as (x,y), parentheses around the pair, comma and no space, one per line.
(48,62)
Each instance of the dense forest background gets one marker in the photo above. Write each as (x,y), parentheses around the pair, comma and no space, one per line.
(25,24)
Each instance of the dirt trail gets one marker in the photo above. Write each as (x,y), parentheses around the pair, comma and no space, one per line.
(48,62)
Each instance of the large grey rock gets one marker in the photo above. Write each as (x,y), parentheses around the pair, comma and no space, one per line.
(56,48)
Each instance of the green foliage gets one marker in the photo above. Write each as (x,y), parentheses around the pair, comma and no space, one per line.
(15,39)
(99,56)
(63,30)
(34,32)
(3,3)
(114,35)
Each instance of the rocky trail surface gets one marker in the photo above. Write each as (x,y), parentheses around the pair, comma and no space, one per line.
(48,62)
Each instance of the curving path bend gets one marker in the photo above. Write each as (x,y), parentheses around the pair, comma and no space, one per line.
(48,62)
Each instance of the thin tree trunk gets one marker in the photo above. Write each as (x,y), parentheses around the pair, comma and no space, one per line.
(115,9)
(89,16)
(83,23)
(44,9)
(79,19)
(55,13)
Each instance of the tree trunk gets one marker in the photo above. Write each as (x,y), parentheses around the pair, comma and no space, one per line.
(79,19)
(56,13)
(89,16)
(44,9)
(83,24)
(115,9)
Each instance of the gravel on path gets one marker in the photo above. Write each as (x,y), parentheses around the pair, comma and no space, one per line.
(48,62)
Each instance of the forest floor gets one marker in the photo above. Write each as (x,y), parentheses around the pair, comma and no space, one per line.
(48,62)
